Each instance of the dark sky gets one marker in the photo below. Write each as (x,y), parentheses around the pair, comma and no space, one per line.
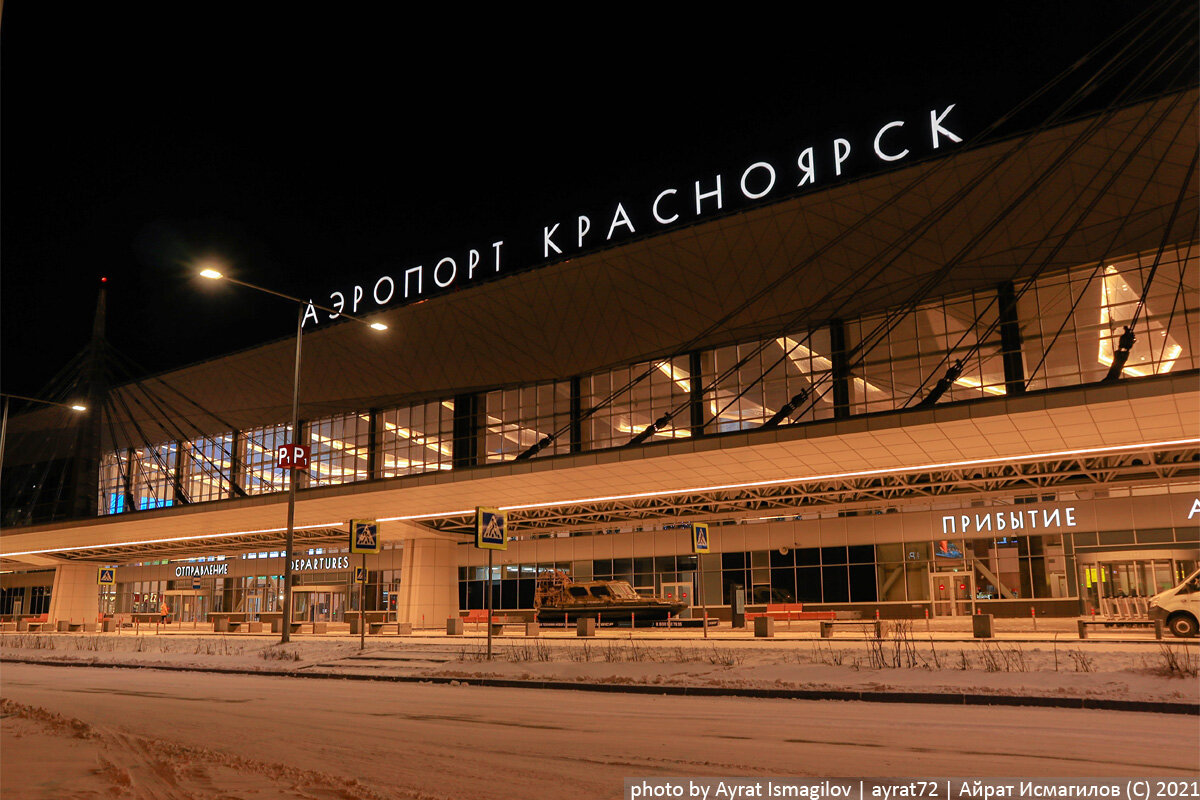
(313,151)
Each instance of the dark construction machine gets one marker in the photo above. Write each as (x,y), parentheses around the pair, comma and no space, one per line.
(558,598)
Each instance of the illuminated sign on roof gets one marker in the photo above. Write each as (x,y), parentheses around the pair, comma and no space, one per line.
(813,165)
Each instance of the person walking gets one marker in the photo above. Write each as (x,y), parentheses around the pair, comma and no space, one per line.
(164,611)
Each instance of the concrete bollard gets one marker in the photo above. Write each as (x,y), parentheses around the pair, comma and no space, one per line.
(1082,629)
(585,626)
(454,626)
(982,627)
(764,627)
(532,629)
(404,629)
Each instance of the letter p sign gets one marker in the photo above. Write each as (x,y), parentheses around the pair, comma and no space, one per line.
(292,456)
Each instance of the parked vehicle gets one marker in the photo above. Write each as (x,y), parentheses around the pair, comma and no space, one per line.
(558,597)
(1179,608)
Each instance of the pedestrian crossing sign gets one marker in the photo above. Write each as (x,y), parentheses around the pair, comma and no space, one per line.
(700,537)
(360,575)
(108,576)
(491,529)
(364,536)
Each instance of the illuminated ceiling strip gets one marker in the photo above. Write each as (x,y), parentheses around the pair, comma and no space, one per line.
(198,537)
(661,493)
(811,478)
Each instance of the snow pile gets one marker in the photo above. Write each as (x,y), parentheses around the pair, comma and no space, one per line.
(1148,671)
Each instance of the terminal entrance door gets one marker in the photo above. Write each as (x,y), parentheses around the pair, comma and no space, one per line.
(1123,588)
(319,603)
(680,592)
(952,592)
(253,604)
(187,605)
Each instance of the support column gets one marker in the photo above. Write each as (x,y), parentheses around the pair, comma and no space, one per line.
(696,393)
(132,462)
(428,582)
(237,465)
(576,415)
(841,369)
(75,594)
(178,493)
(466,430)
(373,429)
(1010,340)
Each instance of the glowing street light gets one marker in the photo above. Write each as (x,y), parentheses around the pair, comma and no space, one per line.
(4,416)
(303,305)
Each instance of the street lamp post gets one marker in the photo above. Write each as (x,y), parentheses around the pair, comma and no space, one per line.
(302,305)
(4,416)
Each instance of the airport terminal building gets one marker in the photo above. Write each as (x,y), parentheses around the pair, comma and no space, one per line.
(964,381)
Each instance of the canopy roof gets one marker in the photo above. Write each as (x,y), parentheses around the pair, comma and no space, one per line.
(1099,187)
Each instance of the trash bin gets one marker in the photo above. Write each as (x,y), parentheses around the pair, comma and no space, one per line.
(585,626)
(764,627)
(982,626)
(454,626)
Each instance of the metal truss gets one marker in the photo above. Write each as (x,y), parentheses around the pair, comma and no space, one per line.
(876,492)
(218,545)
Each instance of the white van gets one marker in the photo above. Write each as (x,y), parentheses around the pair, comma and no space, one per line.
(1179,608)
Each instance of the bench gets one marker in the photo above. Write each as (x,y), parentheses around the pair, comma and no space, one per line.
(66,626)
(1084,624)
(373,618)
(223,624)
(869,626)
(789,612)
(398,628)
(480,617)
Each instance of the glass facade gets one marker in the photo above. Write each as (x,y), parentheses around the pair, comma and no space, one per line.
(260,448)
(1000,569)
(1072,322)
(517,419)
(1063,331)
(207,462)
(895,361)
(416,439)
(624,401)
(339,449)
(746,385)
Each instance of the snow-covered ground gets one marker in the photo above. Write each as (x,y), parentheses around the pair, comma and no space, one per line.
(1041,663)
(82,732)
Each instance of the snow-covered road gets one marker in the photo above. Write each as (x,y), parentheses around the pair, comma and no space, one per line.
(183,734)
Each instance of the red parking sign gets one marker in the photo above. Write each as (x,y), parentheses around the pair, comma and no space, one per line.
(292,456)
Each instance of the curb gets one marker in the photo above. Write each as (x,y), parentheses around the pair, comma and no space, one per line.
(931,698)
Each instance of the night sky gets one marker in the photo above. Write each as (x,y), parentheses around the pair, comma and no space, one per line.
(309,153)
